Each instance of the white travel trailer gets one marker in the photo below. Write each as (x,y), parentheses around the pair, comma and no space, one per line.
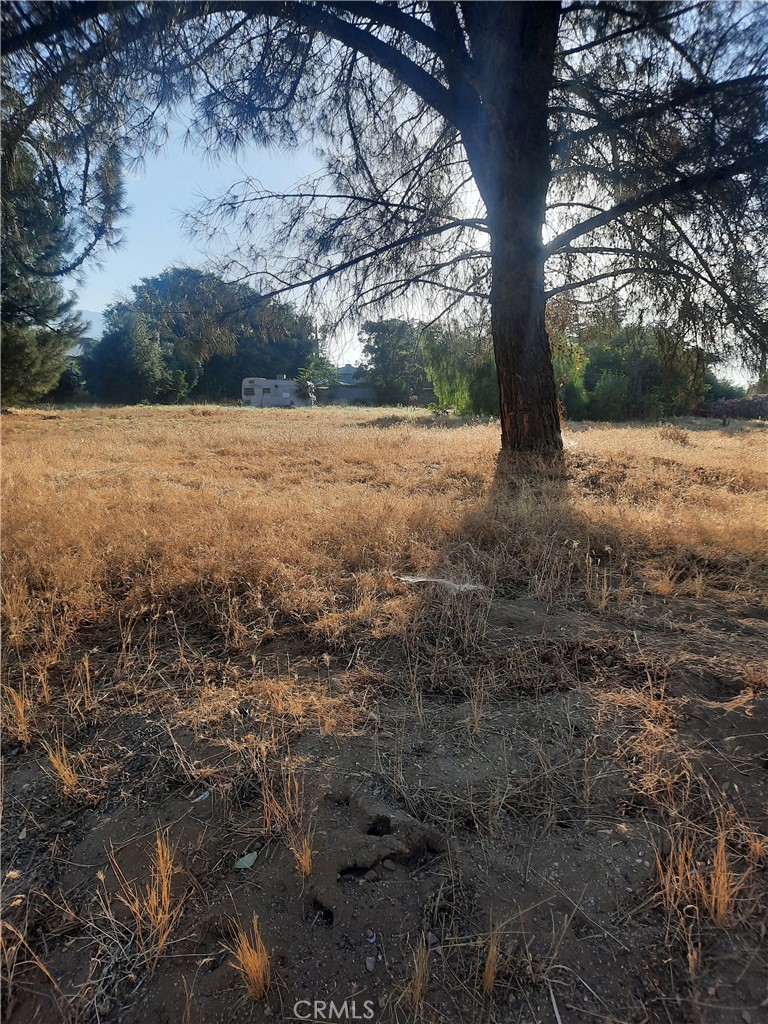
(266,393)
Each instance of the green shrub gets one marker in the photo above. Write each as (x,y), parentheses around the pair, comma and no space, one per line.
(608,400)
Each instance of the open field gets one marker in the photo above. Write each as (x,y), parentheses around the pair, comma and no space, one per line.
(249,761)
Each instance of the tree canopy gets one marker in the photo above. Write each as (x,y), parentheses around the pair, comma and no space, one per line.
(496,153)
(392,360)
(189,333)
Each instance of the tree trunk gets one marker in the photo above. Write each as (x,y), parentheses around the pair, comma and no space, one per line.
(761,388)
(530,420)
(509,154)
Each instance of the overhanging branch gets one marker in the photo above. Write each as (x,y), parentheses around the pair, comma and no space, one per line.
(699,182)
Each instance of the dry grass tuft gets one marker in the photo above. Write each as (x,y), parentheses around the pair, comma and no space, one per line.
(63,766)
(416,989)
(697,874)
(154,909)
(492,958)
(300,845)
(17,713)
(669,432)
(719,885)
(285,813)
(757,848)
(251,959)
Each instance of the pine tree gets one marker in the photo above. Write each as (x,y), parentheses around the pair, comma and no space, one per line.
(38,322)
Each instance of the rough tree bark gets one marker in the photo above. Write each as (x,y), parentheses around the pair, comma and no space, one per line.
(509,155)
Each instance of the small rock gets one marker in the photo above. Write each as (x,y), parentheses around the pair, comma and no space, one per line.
(432,940)
(247,860)
(389,865)
(372,937)
(370,964)
(609,661)
(371,876)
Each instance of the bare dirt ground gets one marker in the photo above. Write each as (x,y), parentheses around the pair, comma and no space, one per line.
(532,788)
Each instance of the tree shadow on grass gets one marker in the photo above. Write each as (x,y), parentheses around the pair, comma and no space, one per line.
(431,421)
(548,739)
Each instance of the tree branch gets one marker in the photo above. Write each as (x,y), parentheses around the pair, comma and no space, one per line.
(354,261)
(698,182)
(671,103)
(393,17)
(321,18)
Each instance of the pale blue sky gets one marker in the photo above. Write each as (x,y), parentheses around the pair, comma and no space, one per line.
(160,193)
(169,185)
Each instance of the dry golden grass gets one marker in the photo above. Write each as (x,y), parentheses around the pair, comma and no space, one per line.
(704,872)
(165,528)
(492,954)
(702,881)
(17,712)
(269,518)
(63,766)
(251,959)
(300,845)
(416,989)
(284,807)
(234,577)
(704,497)
(153,907)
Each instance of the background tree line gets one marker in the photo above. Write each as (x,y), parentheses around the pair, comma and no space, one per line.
(182,335)
(607,367)
(188,334)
